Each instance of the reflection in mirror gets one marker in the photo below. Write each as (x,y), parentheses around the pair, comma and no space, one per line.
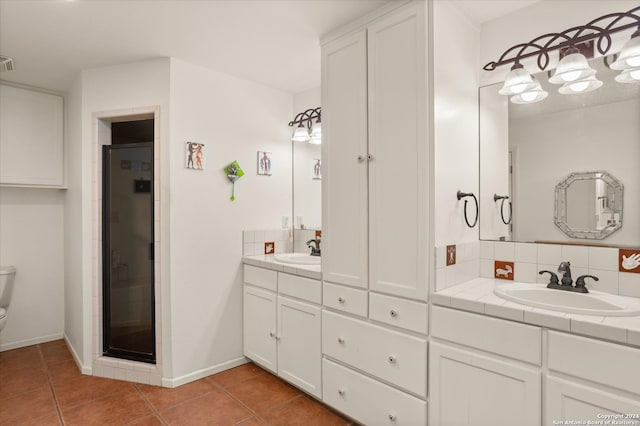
(307,186)
(589,205)
(525,150)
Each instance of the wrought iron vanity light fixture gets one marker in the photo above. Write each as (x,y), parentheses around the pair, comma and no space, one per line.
(308,130)
(573,70)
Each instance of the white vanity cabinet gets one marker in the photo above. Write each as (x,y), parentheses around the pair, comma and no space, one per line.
(283,333)
(589,380)
(485,371)
(31,137)
(376,156)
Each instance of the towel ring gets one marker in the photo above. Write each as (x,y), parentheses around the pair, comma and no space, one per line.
(462,195)
(497,197)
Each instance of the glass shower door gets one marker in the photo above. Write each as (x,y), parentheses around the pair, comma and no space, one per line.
(128,252)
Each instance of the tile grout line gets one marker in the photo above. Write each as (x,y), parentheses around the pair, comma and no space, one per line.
(53,393)
(224,390)
(150,405)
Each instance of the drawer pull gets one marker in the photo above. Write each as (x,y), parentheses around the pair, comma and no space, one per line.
(341,392)
(393,313)
(392,417)
(392,359)
(341,340)
(341,300)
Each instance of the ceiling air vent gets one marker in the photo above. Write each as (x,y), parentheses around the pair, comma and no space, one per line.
(6,63)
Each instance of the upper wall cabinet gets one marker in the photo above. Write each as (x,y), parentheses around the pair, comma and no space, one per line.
(31,137)
(376,155)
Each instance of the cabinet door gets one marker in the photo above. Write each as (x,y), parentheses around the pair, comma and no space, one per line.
(344,152)
(31,137)
(260,327)
(471,389)
(299,354)
(399,144)
(565,400)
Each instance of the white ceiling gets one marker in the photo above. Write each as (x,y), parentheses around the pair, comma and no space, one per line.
(273,42)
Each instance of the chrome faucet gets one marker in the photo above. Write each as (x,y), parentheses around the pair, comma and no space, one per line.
(315,251)
(566,283)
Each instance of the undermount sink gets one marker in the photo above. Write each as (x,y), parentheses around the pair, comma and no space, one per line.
(592,303)
(297,258)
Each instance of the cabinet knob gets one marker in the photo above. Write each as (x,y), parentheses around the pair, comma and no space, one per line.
(341,299)
(341,392)
(392,359)
(392,417)
(278,338)
(370,157)
(360,158)
(393,313)
(341,340)
(272,334)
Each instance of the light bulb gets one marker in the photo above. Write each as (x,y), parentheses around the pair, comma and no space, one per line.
(570,76)
(635,74)
(579,86)
(634,62)
(528,96)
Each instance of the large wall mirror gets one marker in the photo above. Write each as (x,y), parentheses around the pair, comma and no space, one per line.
(527,150)
(307,186)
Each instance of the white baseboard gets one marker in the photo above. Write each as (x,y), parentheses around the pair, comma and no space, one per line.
(29,342)
(199,374)
(83,369)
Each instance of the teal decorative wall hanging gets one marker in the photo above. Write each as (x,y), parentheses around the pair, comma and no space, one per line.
(233,172)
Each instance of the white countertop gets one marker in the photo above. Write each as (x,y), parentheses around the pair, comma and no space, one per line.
(477,296)
(267,261)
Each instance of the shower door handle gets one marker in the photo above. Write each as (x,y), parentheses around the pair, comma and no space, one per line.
(151,251)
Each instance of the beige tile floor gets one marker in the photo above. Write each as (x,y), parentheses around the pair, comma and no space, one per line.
(41,385)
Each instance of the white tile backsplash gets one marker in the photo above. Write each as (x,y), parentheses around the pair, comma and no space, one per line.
(477,259)
(253,241)
(526,252)
(505,251)
(577,255)
(550,254)
(486,250)
(603,258)
(629,284)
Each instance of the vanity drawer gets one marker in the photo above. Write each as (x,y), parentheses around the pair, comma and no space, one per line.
(300,287)
(399,312)
(346,299)
(395,357)
(369,401)
(261,277)
(595,360)
(507,338)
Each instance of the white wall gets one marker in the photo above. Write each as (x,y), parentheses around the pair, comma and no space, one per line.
(73,249)
(31,225)
(123,88)
(456,46)
(234,119)
(554,144)
(307,194)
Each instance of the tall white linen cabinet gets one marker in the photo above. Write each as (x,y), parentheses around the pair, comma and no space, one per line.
(376,189)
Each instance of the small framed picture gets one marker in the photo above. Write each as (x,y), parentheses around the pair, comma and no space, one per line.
(317,168)
(145,166)
(194,156)
(264,163)
(125,164)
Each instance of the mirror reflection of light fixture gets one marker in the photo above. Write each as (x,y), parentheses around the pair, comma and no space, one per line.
(308,127)
(582,85)
(535,93)
(573,70)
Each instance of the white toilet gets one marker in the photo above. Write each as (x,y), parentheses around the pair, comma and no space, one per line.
(7,274)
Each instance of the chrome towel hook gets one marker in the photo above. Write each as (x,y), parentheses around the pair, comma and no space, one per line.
(462,195)
(497,197)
